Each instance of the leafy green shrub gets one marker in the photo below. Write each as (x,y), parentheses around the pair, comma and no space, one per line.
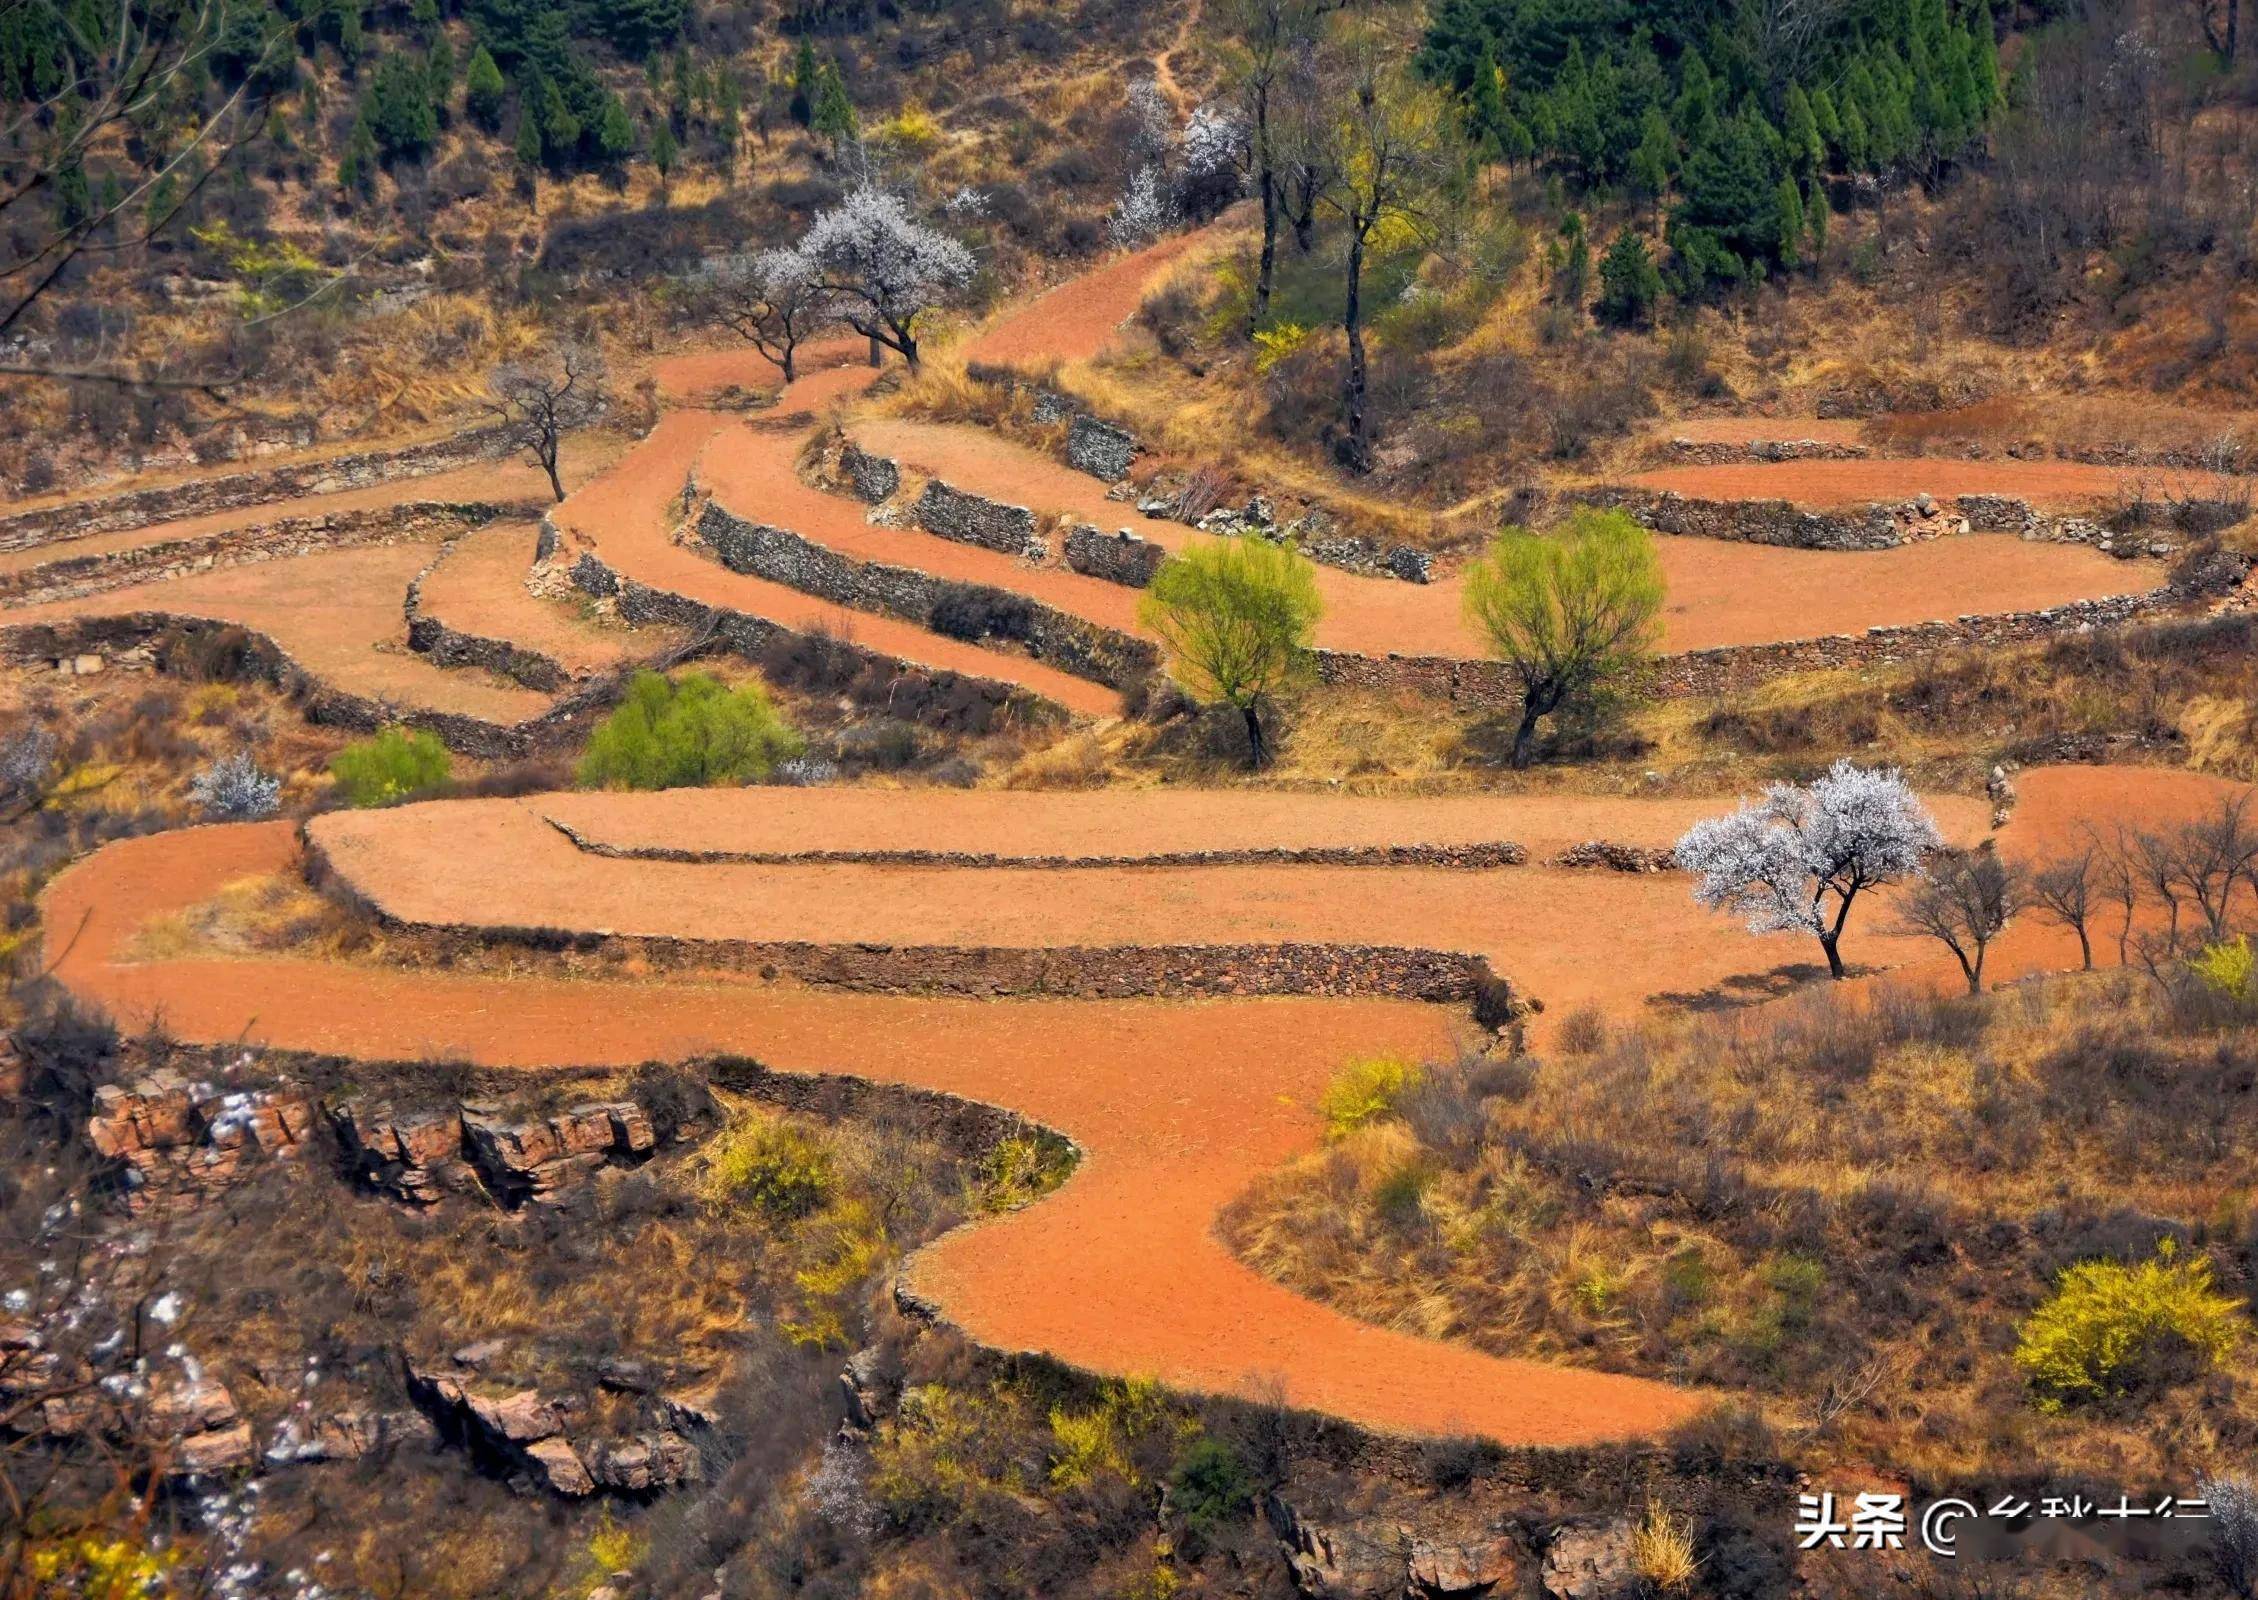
(391,765)
(1211,1488)
(2228,968)
(775,1168)
(1365,1090)
(671,735)
(1022,1168)
(2111,1329)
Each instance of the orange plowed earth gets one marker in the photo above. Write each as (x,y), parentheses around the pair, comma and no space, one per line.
(1076,320)
(503,481)
(1718,593)
(1832,485)
(1177,1105)
(478,587)
(338,613)
(624,517)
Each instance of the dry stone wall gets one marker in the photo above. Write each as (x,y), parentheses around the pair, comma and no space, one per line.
(1099,448)
(1121,557)
(1774,522)
(1068,642)
(973,519)
(199,497)
(68,577)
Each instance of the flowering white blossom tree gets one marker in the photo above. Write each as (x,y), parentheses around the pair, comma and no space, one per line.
(883,267)
(1798,858)
(774,300)
(1214,152)
(236,788)
(1145,211)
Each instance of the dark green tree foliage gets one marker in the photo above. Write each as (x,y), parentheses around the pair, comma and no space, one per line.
(1652,95)
(483,89)
(1629,281)
(398,111)
(806,72)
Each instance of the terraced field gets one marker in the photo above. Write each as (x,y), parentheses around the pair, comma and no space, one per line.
(1169,979)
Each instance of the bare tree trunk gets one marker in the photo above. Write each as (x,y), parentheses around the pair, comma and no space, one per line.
(1258,752)
(1352,322)
(1269,269)
(877,351)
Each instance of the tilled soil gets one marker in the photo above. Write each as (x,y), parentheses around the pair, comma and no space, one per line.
(478,587)
(338,613)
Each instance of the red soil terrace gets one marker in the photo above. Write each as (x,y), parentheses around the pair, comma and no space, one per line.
(478,586)
(337,613)
(1719,593)
(1832,485)
(1177,1105)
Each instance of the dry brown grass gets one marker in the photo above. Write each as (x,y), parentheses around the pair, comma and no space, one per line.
(1839,1208)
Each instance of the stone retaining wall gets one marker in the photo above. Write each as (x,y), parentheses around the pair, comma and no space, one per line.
(1732,668)
(1469,857)
(1121,557)
(872,478)
(1774,522)
(751,637)
(1102,450)
(566,722)
(198,497)
(70,577)
(973,519)
(1735,452)
(1060,638)
(451,647)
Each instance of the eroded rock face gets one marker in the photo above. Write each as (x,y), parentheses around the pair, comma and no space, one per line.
(419,1157)
(177,1137)
(1379,1557)
(1589,1558)
(524,1431)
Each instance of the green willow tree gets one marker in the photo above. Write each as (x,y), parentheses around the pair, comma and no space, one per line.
(1574,613)
(1238,616)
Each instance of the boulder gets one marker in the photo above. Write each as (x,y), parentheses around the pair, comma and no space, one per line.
(559,1468)
(1589,1558)
(647,1464)
(215,1450)
(1346,1560)
(1473,1565)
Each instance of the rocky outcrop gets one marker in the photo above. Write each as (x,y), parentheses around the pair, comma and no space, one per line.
(1116,557)
(176,1138)
(523,1433)
(1589,1558)
(421,1157)
(1381,1557)
(347,1436)
(1100,449)
(973,519)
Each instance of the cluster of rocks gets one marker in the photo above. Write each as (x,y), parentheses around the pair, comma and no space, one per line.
(419,1157)
(525,1432)
(179,1415)
(1384,1557)
(1613,857)
(1313,531)
(179,1137)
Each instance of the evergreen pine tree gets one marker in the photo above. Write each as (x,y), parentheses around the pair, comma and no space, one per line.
(1485,103)
(1857,144)
(1806,151)
(834,116)
(1656,157)
(1816,213)
(1787,206)
(805,72)
(483,90)
(615,132)
(397,111)
(1629,281)
(528,147)
(356,168)
(665,150)
(1983,61)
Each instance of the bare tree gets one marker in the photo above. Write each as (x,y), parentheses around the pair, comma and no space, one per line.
(2118,872)
(2212,854)
(538,402)
(1265,37)
(1964,901)
(1394,149)
(131,102)
(2222,27)
(2066,892)
(775,301)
